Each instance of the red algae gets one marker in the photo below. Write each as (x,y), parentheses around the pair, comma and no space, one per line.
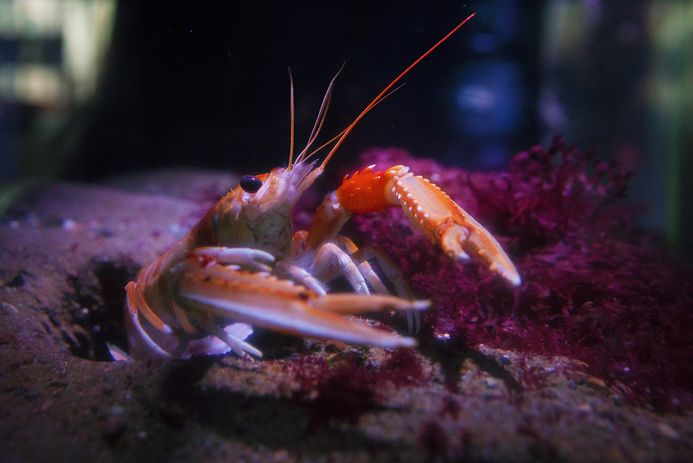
(593,288)
(346,385)
(402,368)
(340,389)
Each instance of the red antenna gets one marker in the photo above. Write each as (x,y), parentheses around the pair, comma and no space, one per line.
(383,93)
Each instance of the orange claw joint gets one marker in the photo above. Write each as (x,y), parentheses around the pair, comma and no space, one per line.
(429,208)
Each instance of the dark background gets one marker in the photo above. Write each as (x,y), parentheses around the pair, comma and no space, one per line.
(210,87)
(205,84)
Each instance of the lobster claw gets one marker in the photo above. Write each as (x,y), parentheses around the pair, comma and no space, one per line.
(446,224)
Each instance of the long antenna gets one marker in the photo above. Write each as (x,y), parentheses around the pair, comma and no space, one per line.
(293,118)
(334,139)
(377,99)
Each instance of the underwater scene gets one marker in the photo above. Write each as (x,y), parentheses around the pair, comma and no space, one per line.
(407,232)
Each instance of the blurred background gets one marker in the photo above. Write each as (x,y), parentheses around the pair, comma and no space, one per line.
(92,88)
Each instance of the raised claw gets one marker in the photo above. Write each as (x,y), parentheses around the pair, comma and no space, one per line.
(281,305)
(429,208)
(445,223)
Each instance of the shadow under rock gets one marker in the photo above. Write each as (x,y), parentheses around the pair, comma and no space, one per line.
(255,420)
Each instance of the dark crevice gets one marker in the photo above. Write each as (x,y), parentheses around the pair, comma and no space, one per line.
(96,308)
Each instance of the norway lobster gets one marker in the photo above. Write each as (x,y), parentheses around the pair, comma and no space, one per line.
(242,265)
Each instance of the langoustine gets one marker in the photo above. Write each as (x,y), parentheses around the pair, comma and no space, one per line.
(242,265)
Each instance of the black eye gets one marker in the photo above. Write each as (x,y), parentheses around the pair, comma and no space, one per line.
(250,183)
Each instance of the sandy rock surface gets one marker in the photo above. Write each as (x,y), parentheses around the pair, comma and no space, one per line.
(67,250)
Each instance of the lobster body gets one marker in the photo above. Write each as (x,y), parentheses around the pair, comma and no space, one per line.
(242,265)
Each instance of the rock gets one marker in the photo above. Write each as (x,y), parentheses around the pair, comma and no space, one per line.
(68,251)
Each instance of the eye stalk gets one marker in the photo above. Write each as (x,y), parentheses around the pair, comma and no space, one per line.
(250,183)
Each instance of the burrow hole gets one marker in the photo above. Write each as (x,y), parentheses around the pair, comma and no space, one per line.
(97,309)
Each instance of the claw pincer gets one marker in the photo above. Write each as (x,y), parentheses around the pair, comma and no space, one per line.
(430,209)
